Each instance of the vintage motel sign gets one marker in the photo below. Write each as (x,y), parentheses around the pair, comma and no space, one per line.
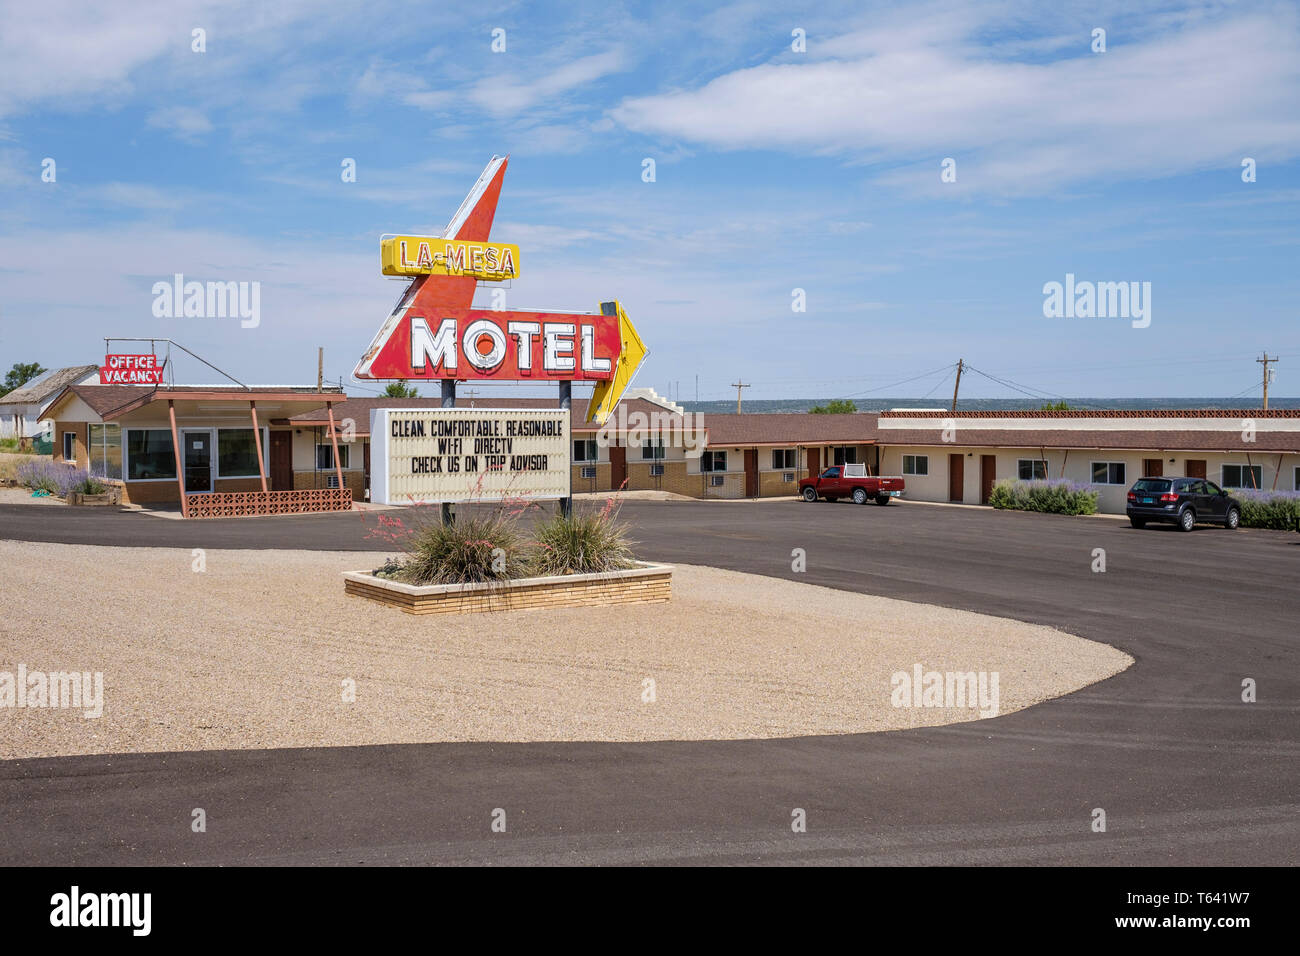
(434,331)
(431,256)
(486,344)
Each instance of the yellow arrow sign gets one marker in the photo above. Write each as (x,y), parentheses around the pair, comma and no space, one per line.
(607,393)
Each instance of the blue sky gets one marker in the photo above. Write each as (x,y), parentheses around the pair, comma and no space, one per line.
(775,170)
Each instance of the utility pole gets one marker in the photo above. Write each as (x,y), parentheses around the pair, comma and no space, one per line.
(1268,374)
(961,363)
(738,386)
(320,369)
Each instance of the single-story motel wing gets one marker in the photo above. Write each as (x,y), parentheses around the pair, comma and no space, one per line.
(318,441)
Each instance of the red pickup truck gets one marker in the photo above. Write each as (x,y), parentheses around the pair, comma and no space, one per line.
(850,481)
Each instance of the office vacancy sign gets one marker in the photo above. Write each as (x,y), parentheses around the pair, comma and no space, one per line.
(447,455)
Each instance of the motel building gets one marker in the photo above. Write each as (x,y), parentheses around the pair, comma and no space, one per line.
(311,449)
(1241,450)
(212,450)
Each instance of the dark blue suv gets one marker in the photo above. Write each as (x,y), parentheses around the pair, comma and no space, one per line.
(1182,502)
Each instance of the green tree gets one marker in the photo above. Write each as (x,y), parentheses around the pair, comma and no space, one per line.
(20,375)
(836,406)
(400,389)
(1061,406)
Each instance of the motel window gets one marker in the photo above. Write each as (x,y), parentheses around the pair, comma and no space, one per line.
(782,458)
(916,464)
(69,446)
(713,461)
(654,448)
(1242,476)
(1296,483)
(1108,473)
(104,445)
(149,454)
(237,453)
(325,456)
(846,455)
(584,449)
(1031,469)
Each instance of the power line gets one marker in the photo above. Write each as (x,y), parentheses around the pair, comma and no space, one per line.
(942,368)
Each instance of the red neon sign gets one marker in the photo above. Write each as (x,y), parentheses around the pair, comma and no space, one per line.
(473,344)
(131,370)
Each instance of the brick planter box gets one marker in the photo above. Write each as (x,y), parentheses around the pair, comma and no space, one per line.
(76,498)
(644,584)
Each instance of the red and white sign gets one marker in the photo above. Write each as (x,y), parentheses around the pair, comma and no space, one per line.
(131,370)
(473,344)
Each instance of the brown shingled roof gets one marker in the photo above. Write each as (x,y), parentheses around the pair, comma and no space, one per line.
(799,428)
(106,400)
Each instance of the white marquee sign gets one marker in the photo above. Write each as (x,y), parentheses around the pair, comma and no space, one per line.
(431,455)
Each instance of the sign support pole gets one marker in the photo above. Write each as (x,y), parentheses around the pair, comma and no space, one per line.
(566,403)
(448,401)
(180,468)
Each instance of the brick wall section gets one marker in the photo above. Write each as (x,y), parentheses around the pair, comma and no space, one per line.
(356,480)
(599,483)
(770,484)
(645,589)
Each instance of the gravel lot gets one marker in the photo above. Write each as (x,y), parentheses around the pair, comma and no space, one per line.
(253,653)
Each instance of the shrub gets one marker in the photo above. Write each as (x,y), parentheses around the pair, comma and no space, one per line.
(473,549)
(1278,510)
(90,485)
(1049,497)
(589,543)
(52,477)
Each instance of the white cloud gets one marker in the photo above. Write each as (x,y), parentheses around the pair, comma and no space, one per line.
(1187,100)
(185,122)
(504,94)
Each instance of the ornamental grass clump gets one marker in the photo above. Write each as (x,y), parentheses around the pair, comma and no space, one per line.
(1279,510)
(90,485)
(590,543)
(470,550)
(1047,497)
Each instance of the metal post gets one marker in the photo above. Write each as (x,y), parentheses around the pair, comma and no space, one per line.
(566,403)
(448,401)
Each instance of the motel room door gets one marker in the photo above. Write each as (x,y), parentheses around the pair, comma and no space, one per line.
(1195,468)
(281,461)
(751,472)
(617,466)
(814,462)
(1154,468)
(988,474)
(198,460)
(956,477)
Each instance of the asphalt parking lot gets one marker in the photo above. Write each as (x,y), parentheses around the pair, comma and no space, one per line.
(1186,772)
